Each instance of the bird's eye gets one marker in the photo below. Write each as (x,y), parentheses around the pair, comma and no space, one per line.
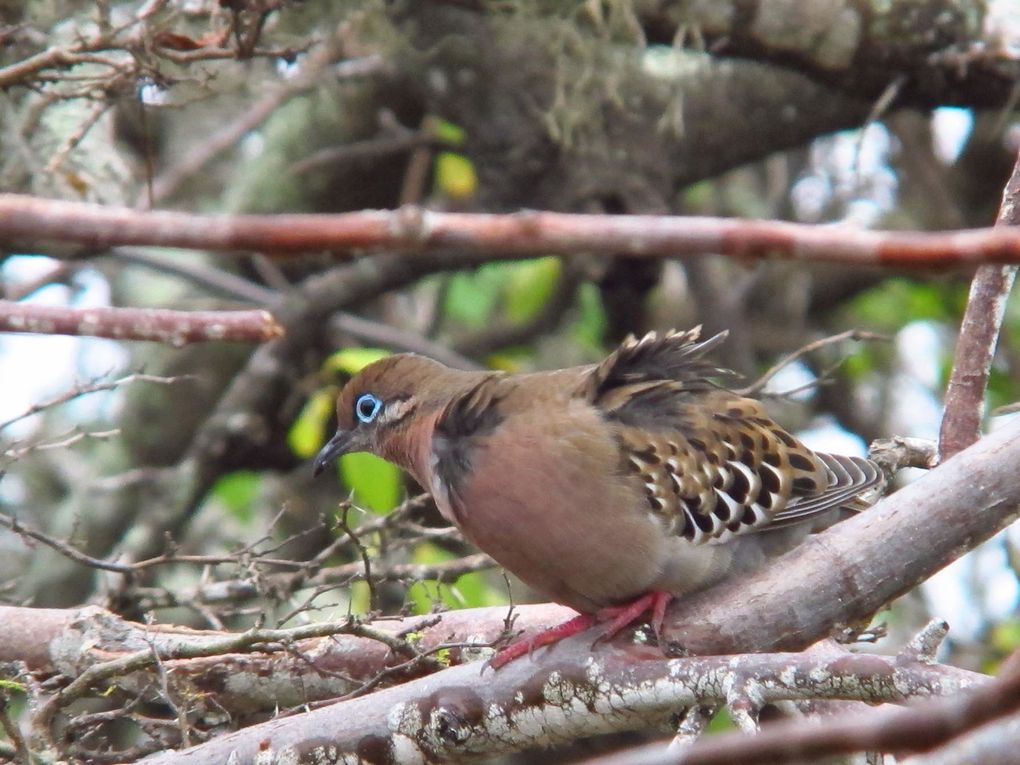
(367,407)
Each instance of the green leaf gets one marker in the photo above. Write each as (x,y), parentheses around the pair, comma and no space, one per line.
(374,481)
(591,324)
(864,362)
(471,297)
(530,286)
(360,598)
(308,433)
(455,175)
(448,133)
(350,361)
(721,723)
(237,492)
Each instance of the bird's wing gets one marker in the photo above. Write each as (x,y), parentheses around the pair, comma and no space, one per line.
(713,464)
(673,356)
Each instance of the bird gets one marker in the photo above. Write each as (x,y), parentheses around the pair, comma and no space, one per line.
(611,488)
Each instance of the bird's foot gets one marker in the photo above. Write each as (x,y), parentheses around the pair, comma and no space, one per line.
(616,619)
(621,617)
(579,623)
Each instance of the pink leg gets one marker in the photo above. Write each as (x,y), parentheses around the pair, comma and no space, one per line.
(618,618)
(621,617)
(579,623)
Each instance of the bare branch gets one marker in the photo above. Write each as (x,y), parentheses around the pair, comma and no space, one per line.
(93,386)
(309,76)
(28,219)
(979,332)
(177,328)
(238,288)
(362,657)
(917,729)
(896,453)
(251,640)
(234,590)
(991,744)
(851,334)
(573,689)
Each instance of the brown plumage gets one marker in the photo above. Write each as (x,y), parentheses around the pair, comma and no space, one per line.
(601,486)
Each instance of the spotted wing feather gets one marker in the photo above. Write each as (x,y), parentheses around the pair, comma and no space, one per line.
(713,464)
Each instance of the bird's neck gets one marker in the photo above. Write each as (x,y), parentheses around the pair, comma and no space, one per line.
(410,447)
(410,444)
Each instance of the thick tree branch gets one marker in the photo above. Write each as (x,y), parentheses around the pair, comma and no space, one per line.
(941,51)
(51,641)
(991,744)
(920,728)
(32,221)
(560,695)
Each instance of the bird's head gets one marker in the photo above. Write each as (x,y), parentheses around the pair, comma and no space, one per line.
(379,404)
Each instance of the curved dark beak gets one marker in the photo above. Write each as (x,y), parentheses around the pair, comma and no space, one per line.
(337,446)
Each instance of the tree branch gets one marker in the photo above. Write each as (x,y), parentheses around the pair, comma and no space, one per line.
(979,332)
(523,234)
(177,328)
(920,728)
(565,692)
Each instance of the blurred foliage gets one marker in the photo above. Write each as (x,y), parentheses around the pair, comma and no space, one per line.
(721,723)
(472,297)
(589,329)
(374,482)
(448,133)
(238,491)
(893,302)
(1003,640)
(350,361)
(515,292)
(529,287)
(455,175)
(308,433)
(1003,388)
(468,591)
(898,301)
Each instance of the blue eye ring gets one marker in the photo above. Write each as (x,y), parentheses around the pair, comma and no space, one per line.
(367,407)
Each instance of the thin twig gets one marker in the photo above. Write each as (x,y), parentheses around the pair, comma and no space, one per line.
(232,286)
(93,386)
(366,559)
(852,334)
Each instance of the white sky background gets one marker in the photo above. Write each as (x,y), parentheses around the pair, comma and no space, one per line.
(35,368)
